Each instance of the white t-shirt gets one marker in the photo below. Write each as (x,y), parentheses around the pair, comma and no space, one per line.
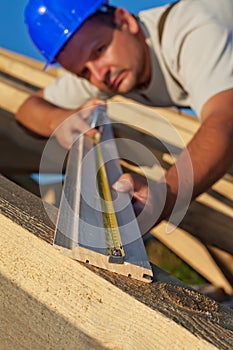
(197,46)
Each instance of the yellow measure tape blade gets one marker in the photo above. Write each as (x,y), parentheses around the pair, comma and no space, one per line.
(112,233)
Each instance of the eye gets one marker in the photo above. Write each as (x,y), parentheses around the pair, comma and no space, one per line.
(84,73)
(100,49)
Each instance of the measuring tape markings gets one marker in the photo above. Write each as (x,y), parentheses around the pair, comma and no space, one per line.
(112,233)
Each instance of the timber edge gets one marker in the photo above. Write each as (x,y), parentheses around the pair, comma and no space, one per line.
(201,316)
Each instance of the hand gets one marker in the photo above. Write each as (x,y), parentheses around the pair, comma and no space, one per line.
(148,198)
(75,124)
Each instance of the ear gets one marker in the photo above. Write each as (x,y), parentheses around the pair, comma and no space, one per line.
(124,20)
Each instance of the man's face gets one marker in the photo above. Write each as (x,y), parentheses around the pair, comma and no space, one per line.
(113,59)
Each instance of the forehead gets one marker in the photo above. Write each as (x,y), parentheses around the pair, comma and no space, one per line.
(85,39)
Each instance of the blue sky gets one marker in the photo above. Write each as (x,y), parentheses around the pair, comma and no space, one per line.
(13,35)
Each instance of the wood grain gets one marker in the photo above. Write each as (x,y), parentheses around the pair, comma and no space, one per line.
(39,286)
(30,62)
(54,302)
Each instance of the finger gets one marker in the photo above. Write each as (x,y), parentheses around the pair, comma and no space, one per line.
(93,133)
(66,139)
(98,101)
(124,184)
(94,102)
(88,107)
(129,183)
(81,126)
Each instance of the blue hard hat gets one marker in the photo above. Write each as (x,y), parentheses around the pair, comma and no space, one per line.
(50,23)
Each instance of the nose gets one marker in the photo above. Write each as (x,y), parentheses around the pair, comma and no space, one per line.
(97,70)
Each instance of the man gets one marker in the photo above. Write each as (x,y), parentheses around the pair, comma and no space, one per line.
(179,55)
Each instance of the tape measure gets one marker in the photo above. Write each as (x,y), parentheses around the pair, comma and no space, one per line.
(112,233)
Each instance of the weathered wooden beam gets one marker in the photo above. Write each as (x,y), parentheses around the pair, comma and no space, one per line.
(27,210)
(49,300)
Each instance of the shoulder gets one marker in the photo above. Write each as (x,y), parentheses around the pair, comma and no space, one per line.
(188,15)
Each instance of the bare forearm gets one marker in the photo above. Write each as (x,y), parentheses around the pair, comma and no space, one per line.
(209,154)
(206,159)
(40,116)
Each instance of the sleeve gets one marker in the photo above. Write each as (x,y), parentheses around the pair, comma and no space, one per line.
(69,91)
(199,49)
(206,63)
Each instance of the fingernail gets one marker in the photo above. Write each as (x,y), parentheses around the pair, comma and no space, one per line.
(122,186)
(118,186)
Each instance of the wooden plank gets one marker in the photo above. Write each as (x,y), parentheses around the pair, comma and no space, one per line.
(224,261)
(222,186)
(43,292)
(166,121)
(27,210)
(216,204)
(30,62)
(209,225)
(194,253)
(24,72)
(11,98)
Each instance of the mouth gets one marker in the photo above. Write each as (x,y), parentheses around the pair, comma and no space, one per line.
(115,83)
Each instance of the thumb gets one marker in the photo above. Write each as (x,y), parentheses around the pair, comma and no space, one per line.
(124,184)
